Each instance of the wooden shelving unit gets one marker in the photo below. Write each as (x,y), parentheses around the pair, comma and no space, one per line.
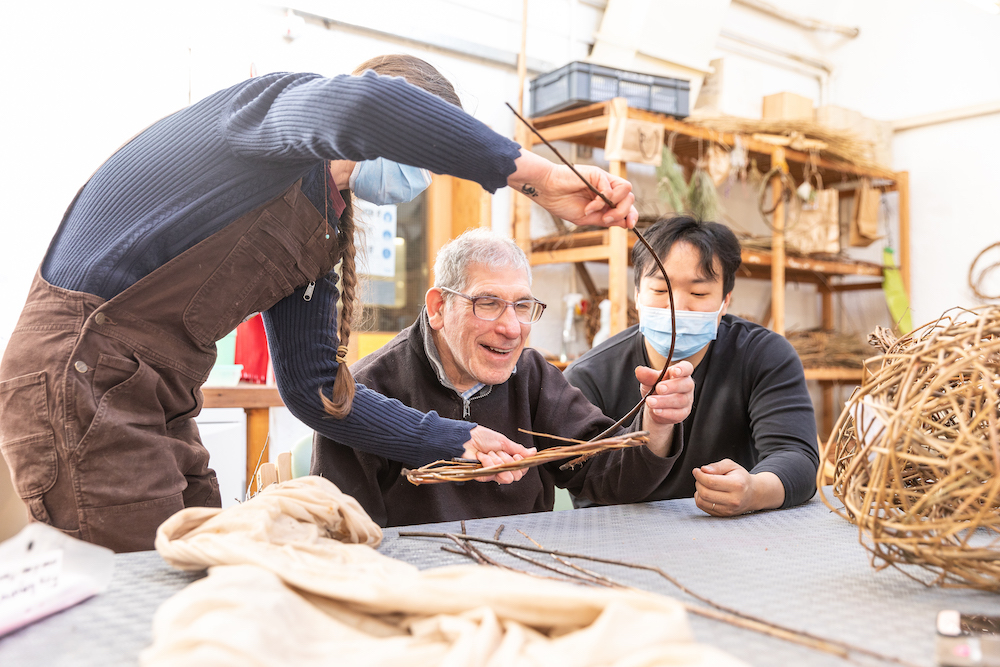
(589,126)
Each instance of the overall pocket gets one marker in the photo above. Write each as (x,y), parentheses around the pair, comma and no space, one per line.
(123,396)
(126,453)
(243,283)
(26,436)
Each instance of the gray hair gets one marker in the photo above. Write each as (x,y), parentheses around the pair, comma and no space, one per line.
(476,246)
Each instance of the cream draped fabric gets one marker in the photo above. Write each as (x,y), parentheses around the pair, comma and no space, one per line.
(295,579)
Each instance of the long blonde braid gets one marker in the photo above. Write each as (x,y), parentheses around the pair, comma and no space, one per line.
(418,73)
(339,405)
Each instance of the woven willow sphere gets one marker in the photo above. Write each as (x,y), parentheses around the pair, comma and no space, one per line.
(916,452)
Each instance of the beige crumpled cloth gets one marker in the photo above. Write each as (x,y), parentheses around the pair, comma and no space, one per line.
(294,579)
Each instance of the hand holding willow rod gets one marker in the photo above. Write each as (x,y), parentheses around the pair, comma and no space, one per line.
(465,470)
(670,292)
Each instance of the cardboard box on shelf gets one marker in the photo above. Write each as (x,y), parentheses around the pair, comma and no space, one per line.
(876,133)
(788,106)
(840,118)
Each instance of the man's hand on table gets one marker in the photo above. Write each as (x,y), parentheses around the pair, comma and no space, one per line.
(670,405)
(725,488)
(491,448)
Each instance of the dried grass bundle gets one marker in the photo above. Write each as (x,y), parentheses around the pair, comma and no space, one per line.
(820,349)
(702,196)
(839,143)
(670,181)
(917,451)
(464,470)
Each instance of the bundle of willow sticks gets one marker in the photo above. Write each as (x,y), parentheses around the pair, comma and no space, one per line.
(464,470)
(817,348)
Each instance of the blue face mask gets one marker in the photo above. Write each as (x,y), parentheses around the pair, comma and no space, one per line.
(695,330)
(382,181)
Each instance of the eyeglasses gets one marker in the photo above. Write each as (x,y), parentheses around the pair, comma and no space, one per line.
(490,308)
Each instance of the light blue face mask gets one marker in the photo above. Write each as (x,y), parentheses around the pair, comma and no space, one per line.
(695,330)
(382,181)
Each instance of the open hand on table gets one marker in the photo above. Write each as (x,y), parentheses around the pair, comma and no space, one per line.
(491,448)
(726,488)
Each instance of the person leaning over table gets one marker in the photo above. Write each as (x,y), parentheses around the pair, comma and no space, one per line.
(750,440)
(237,204)
(464,358)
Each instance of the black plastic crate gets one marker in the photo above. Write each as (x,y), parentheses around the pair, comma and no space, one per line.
(579,83)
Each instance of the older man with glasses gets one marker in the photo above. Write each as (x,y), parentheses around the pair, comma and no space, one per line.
(464,358)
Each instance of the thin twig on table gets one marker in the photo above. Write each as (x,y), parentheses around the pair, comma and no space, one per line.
(714,610)
(576,567)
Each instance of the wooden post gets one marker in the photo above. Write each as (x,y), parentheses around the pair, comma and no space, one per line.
(470,206)
(284,466)
(826,299)
(618,240)
(826,424)
(778,245)
(903,188)
(267,475)
(439,218)
(257,426)
(618,267)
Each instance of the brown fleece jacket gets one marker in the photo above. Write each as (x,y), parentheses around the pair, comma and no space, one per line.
(536,397)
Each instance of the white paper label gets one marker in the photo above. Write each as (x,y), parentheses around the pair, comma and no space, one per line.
(30,579)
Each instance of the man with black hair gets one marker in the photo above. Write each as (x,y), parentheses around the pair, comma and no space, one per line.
(750,440)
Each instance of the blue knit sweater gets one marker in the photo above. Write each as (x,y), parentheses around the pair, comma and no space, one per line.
(192,173)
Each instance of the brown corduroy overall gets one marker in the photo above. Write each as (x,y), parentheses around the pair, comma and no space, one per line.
(98,398)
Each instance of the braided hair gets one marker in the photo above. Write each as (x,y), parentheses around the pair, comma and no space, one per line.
(418,73)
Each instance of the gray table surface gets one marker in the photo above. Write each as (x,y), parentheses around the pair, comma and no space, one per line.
(801,567)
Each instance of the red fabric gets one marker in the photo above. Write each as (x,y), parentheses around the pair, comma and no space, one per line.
(334,196)
(251,350)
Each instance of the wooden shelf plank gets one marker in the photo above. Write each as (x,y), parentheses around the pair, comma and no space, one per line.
(574,240)
(830,374)
(591,246)
(570,115)
(834,374)
(811,265)
(576,130)
(588,123)
(596,253)
(244,395)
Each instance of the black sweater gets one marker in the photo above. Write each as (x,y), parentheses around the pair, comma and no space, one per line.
(751,405)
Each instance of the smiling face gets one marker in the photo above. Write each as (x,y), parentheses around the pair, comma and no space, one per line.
(473,350)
